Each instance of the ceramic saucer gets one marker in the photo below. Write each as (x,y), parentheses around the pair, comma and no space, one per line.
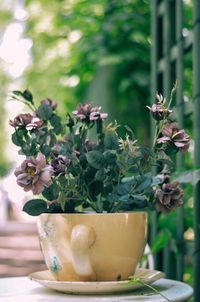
(104,287)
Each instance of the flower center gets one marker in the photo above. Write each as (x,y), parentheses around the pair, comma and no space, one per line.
(31,171)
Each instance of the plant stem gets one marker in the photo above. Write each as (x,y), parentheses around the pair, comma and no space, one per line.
(156,134)
(138,280)
(172,94)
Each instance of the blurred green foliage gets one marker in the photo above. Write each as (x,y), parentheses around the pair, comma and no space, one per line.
(73,40)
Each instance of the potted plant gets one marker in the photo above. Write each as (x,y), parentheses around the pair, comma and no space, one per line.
(94,188)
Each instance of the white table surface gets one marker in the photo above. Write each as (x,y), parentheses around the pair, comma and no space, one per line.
(21,289)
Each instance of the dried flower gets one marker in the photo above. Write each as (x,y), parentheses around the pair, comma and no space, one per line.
(21,120)
(59,164)
(128,144)
(34,174)
(158,110)
(50,103)
(175,137)
(88,113)
(169,197)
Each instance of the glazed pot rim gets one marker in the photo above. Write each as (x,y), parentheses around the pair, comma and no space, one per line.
(97,214)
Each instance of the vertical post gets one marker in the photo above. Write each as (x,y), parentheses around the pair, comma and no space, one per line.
(154,61)
(169,267)
(166,50)
(196,79)
(180,118)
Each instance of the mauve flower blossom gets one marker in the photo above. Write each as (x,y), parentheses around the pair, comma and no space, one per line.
(21,120)
(50,103)
(158,110)
(169,197)
(35,123)
(34,174)
(85,112)
(26,120)
(174,136)
(59,164)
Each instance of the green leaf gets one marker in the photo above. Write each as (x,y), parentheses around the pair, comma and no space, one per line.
(111,140)
(52,192)
(130,131)
(110,157)
(130,179)
(54,208)
(44,112)
(95,188)
(16,139)
(35,207)
(145,183)
(100,175)
(156,181)
(56,123)
(17,93)
(27,95)
(46,150)
(95,159)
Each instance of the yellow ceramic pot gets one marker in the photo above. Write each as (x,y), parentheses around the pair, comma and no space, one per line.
(92,246)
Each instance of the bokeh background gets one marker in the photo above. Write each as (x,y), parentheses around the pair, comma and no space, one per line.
(75,51)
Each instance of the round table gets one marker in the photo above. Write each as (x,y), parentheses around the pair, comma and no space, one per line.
(21,289)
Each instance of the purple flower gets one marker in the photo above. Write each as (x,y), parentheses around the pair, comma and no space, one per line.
(34,174)
(21,120)
(50,103)
(175,137)
(158,110)
(35,123)
(88,113)
(169,197)
(26,120)
(59,164)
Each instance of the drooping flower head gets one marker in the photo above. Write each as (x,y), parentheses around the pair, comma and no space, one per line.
(173,136)
(169,197)
(26,120)
(49,102)
(60,164)
(86,112)
(21,120)
(34,174)
(158,110)
(35,123)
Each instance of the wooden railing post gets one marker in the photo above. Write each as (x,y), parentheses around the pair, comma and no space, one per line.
(196,98)
(154,60)
(180,119)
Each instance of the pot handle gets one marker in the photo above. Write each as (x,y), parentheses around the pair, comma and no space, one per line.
(82,239)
